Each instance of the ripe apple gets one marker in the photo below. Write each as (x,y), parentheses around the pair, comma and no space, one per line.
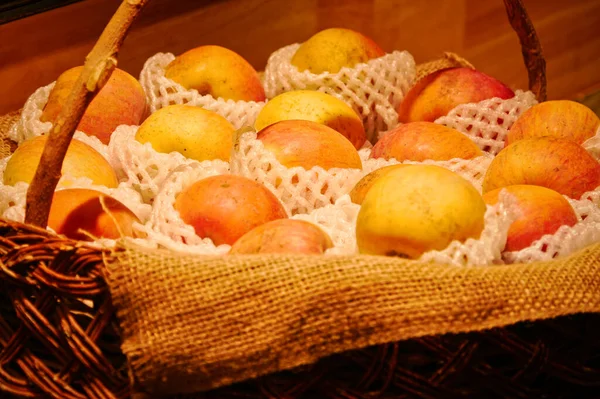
(418,208)
(284,236)
(81,160)
(558,118)
(216,71)
(541,211)
(225,207)
(78,210)
(314,106)
(121,101)
(555,163)
(332,49)
(194,132)
(360,189)
(308,144)
(438,93)
(420,141)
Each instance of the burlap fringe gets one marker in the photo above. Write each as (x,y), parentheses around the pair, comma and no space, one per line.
(7,146)
(448,60)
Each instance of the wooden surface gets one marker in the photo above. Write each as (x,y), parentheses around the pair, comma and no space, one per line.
(11,10)
(35,50)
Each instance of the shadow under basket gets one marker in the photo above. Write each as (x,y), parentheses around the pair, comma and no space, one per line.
(546,359)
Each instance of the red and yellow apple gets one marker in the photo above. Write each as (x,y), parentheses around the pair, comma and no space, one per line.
(360,189)
(557,118)
(540,211)
(332,49)
(438,93)
(284,236)
(314,106)
(309,144)
(555,163)
(420,141)
(418,208)
(216,71)
(194,132)
(121,101)
(77,211)
(225,207)
(81,160)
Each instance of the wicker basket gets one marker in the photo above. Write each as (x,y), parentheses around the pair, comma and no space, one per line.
(83,322)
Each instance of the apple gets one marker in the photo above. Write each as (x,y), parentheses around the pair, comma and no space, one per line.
(194,132)
(555,163)
(81,160)
(225,207)
(418,208)
(541,211)
(332,49)
(216,71)
(314,106)
(309,144)
(77,211)
(420,141)
(284,236)
(557,118)
(438,93)
(360,189)
(121,101)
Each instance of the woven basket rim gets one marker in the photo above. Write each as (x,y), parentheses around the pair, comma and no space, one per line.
(122,243)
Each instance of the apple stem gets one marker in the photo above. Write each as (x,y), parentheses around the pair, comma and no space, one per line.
(530,47)
(98,67)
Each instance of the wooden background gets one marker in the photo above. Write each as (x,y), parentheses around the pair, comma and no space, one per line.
(35,50)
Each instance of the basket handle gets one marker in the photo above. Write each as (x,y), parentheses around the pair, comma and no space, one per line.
(102,60)
(98,67)
(530,47)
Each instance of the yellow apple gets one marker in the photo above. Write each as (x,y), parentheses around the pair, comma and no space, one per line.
(360,189)
(309,144)
(420,141)
(121,101)
(225,207)
(216,71)
(81,160)
(418,208)
(558,118)
(78,210)
(314,106)
(194,132)
(283,236)
(332,49)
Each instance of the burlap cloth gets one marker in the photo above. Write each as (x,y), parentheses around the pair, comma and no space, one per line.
(195,323)
(447,60)
(6,145)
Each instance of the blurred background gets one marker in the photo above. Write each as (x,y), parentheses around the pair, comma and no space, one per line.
(39,39)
